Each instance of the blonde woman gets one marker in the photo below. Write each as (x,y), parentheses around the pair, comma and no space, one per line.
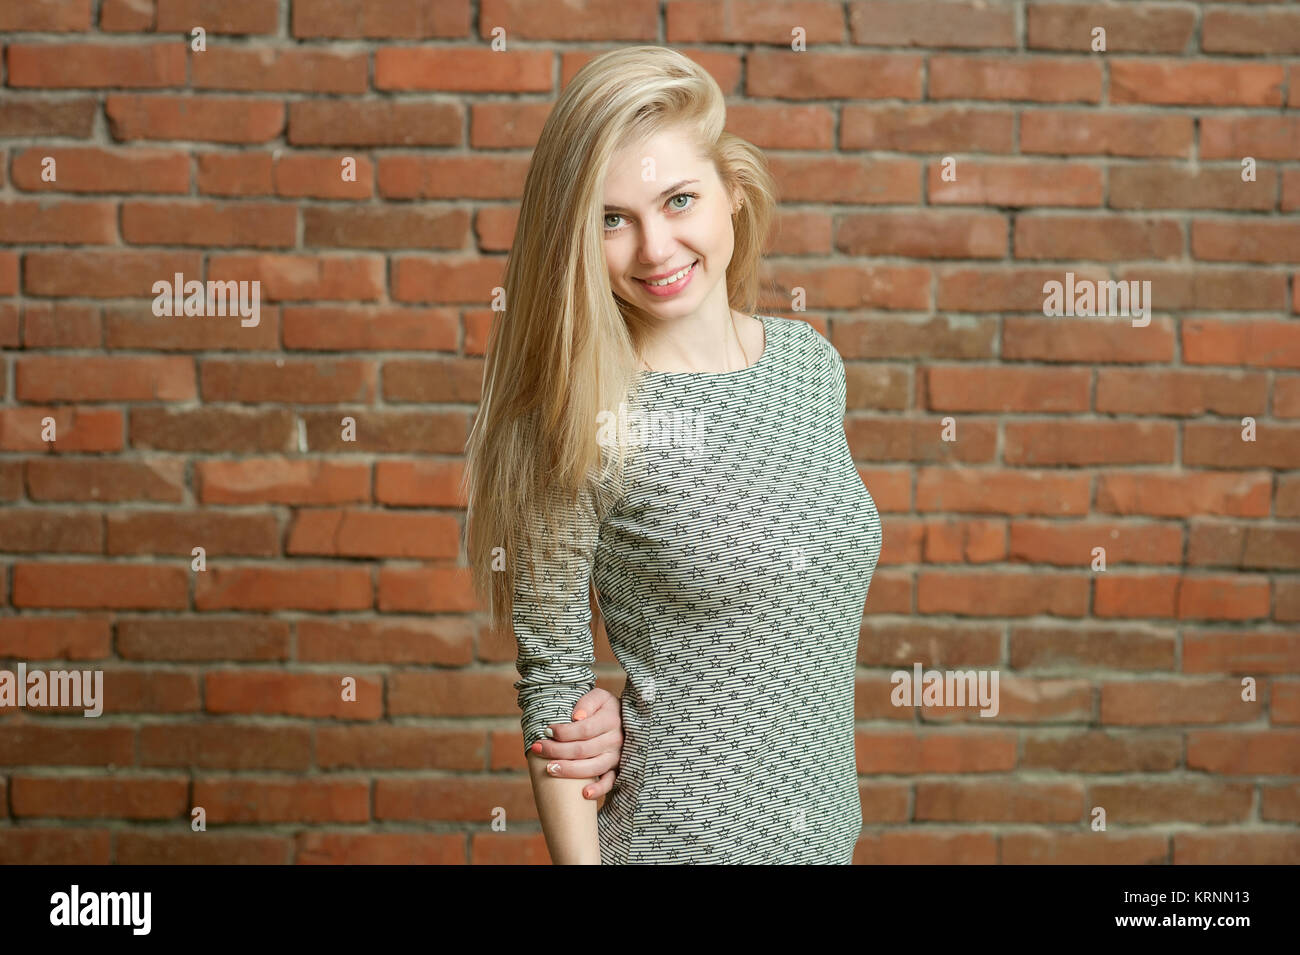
(642,430)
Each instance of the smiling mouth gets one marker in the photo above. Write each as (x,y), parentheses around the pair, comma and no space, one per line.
(671,278)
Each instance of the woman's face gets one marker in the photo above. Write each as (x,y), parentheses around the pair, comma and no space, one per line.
(666,209)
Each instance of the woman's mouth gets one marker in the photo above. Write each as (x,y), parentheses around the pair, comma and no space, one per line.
(678,282)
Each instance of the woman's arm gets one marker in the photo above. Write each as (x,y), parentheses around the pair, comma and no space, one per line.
(568,820)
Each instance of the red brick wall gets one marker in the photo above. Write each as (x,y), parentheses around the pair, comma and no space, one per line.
(328,558)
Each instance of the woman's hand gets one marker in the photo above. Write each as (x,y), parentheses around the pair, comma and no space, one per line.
(590,746)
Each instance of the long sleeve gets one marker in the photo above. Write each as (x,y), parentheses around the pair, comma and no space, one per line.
(552,624)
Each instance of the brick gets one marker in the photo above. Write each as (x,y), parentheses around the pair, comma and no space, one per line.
(218,16)
(126,16)
(394,19)
(381,228)
(1016,184)
(1245,242)
(836,286)
(35,221)
(1234,494)
(1172,186)
(235,174)
(304,277)
(45,16)
(810,75)
(457,279)
(239,799)
(959,490)
(50,378)
(763,21)
(133,796)
(1088,443)
(1038,79)
(924,235)
(212,119)
(273,69)
(1090,339)
(103,170)
(1069,132)
(906,23)
(1245,546)
(999,801)
(1139,647)
(106,274)
(847,179)
(508,125)
(375,534)
(374,123)
(1255,32)
(250,692)
(25,115)
(470,70)
(370,328)
(1135,29)
(1263,137)
(61,325)
(1180,393)
(1226,844)
(1291,191)
(1002,594)
(1259,344)
(1099,238)
(970,388)
(1000,290)
(259,225)
(100,586)
(1207,287)
(1223,598)
(1222,445)
(72,65)
(321,177)
(8,273)
(301,381)
(1173,83)
(452,177)
(926,128)
(565,20)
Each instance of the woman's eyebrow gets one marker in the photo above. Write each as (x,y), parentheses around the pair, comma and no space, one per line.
(671,189)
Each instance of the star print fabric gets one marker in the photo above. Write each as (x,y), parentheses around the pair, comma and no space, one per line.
(731,577)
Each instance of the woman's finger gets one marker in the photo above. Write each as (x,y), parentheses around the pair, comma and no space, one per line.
(589,768)
(601,786)
(591,703)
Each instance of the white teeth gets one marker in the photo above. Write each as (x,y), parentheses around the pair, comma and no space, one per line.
(676,277)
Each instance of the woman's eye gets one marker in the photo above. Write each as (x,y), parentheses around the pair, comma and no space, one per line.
(677,208)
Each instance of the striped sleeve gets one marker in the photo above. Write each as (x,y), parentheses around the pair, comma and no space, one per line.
(835,368)
(552,624)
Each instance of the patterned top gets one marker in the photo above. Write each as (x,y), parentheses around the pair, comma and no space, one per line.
(731,576)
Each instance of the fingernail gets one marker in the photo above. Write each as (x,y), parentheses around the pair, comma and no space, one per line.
(553,768)
(537,747)
(579,714)
(587,793)
(550,732)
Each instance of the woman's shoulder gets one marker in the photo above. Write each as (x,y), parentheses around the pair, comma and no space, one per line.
(804,336)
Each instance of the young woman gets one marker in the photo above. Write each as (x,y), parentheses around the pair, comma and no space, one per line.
(641,429)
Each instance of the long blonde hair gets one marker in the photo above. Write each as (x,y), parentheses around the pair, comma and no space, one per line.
(566,346)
